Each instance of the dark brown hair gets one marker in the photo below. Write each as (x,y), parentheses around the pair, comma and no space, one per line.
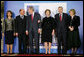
(47,10)
(10,12)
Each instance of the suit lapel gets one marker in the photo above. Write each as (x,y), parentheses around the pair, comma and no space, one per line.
(58,17)
(30,19)
(63,17)
(34,17)
(19,17)
(74,17)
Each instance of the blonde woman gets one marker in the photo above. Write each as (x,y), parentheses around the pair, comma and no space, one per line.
(73,39)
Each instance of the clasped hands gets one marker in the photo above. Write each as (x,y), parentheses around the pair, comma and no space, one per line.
(71,28)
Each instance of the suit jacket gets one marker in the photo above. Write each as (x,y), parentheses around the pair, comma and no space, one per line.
(63,23)
(20,24)
(5,25)
(35,25)
(75,22)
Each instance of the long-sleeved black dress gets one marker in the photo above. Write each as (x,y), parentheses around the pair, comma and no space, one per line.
(48,25)
(73,36)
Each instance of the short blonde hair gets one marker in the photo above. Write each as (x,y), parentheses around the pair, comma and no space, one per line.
(73,10)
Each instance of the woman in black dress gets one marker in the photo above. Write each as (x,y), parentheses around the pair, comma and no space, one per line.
(8,29)
(73,34)
(47,30)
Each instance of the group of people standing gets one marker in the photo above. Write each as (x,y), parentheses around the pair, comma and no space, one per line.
(64,26)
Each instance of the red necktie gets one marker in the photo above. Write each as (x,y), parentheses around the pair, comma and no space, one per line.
(32,17)
(60,17)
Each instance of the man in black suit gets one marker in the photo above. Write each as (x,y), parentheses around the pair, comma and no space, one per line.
(20,28)
(33,28)
(61,21)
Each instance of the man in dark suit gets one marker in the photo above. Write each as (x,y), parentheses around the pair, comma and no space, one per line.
(20,28)
(61,21)
(33,28)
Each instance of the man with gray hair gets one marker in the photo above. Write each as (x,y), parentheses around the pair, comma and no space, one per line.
(33,29)
(61,21)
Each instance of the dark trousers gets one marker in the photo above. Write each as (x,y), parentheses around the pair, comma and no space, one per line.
(22,40)
(33,35)
(62,40)
(27,44)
